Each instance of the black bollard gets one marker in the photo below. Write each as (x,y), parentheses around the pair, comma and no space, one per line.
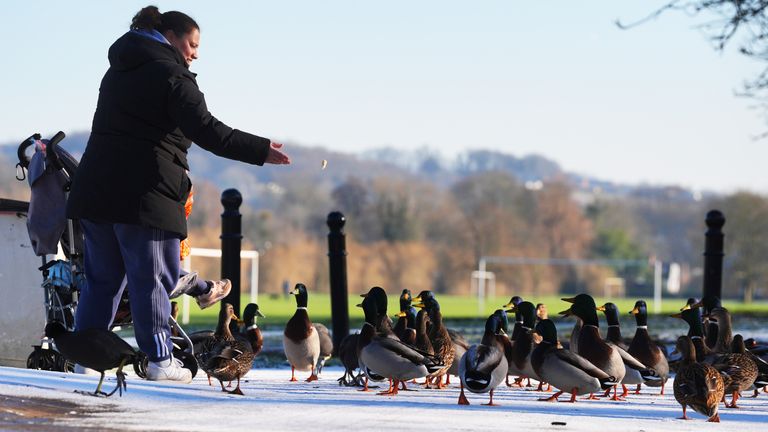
(337,257)
(713,255)
(231,238)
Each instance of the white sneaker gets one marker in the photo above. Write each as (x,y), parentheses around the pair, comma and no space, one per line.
(168,370)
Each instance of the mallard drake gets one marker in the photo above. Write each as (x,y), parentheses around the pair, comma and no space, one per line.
(522,344)
(405,328)
(326,346)
(382,328)
(696,333)
(564,369)
(613,335)
(697,385)
(225,357)
(251,331)
(389,357)
(711,328)
(590,344)
(301,341)
(740,367)
(97,349)
(438,335)
(483,366)
(645,349)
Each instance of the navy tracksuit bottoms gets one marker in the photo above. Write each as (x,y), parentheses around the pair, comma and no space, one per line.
(149,259)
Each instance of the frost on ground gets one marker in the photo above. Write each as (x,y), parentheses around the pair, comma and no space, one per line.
(273,403)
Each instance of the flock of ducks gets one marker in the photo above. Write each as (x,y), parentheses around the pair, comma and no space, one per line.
(712,361)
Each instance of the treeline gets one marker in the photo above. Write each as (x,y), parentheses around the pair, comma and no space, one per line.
(407,232)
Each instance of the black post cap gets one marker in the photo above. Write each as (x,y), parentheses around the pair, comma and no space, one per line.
(715,219)
(336,221)
(231,199)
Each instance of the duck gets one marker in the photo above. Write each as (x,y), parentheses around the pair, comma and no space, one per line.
(301,341)
(564,369)
(382,327)
(697,385)
(721,318)
(646,350)
(405,328)
(326,346)
(438,336)
(205,341)
(484,366)
(739,366)
(590,344)
(522,345)
(389,357)
(251,331)
(97,349)
(613,335)
(460,346)
(711,328)
(348,357)
(226,357)
(696,333)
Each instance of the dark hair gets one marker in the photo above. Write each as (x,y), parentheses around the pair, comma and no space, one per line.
(150,18)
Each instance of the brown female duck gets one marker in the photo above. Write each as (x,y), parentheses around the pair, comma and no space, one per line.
(225,357)
(697,385)
(438,335)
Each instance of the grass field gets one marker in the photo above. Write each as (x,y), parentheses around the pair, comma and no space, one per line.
(279,309)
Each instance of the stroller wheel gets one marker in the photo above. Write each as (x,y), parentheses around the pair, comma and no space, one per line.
(187,359)
(140,364)
(48,359)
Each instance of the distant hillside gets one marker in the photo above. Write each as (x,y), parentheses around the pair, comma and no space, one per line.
(257,183)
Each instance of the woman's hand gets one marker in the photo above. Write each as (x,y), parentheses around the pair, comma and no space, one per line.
(276,156)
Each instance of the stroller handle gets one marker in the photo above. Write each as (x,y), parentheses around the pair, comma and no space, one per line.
(51,154)
(23,147)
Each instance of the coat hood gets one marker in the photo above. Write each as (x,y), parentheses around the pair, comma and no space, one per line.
(133,50)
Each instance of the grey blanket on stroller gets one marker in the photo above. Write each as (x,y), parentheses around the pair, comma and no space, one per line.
(46,220)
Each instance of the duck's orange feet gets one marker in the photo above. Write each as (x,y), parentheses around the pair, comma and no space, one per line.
(715,418)
(293,374)
(552,398)
(462,398)
(637,390)
(392,389)
(490,401)
(591,397)
(312,377)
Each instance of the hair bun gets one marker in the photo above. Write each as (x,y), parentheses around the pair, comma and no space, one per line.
(148,18)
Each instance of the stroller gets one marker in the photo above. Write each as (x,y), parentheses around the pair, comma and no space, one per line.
(49,169)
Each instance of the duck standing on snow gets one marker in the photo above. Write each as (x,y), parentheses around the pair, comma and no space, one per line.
(326,346)
(405,328)
(484,366)
(522,345)
(251,331)
(301,341)
(438,335)
(387,356)
(697,385)
(645,349)
(98,349)
(564,369)
(225,357)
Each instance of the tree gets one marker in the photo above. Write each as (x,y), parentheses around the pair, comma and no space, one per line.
(732,17)
(746,243)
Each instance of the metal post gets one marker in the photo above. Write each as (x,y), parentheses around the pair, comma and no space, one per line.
(656,286)
(713,254)
(337,258)
(231,238)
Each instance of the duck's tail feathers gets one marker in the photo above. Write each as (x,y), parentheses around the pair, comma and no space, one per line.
(649,374)
(606,383)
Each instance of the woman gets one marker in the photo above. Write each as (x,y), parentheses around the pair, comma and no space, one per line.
(131,184)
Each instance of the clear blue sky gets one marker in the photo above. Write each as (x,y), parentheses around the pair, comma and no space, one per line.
(653,104)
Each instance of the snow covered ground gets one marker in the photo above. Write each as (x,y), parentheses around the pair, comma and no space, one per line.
(272,403)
